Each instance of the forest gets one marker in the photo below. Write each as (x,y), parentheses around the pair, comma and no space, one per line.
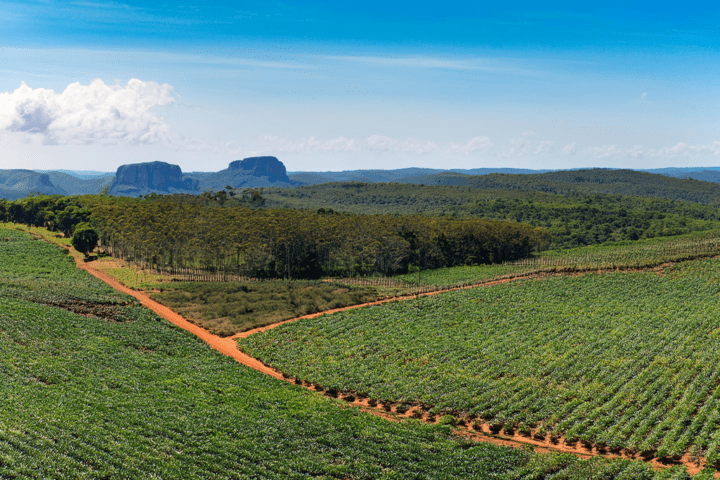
(381,229)
(171,233)
(573,219)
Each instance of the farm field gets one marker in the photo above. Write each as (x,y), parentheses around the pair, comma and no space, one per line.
(622,360)
(622,255)
(130,396)
(226,308)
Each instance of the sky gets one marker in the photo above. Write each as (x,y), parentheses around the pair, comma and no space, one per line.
(92,85)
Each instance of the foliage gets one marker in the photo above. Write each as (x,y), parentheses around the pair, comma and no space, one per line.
(87,398)
(52,211)
(605,181)
(619,359)
(226,308)
(574,216)
(169,235)
(85,238)
(37,271)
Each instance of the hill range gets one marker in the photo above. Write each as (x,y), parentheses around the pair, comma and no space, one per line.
(265,172)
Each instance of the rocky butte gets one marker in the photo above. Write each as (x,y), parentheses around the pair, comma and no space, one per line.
(269,167)
(142,178)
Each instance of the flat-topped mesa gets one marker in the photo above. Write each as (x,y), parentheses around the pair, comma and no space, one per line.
(269,167)
(139,178)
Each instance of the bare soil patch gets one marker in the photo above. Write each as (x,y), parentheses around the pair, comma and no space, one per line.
(110,312)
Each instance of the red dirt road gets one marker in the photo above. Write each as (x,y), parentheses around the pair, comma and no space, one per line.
(226,346)
(478,432)
(401,298)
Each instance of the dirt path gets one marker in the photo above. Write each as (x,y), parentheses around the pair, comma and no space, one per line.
(400,298)
(226,346)
(489,283)
(476,431)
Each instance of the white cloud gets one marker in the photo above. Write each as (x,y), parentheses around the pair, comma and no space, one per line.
(379,143)
(679,150)
(374,143)
(570,149)
(685,150)
(475,144)
(340,144)
(518,146)
(85,114)
(545,147)
(612,151)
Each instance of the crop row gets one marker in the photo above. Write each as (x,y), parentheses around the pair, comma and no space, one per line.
(87,398)
(35,270)
(621,359)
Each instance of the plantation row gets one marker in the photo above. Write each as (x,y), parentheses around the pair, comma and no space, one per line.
(621,359)
(637,254)
(172,237)
(88,398)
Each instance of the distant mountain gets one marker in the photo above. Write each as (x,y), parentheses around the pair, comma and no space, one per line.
(151,177)
(82,174)
(403,175)
(251,172)
(268,172)
(20,183)
(605,181)
(75,185)
(705,174)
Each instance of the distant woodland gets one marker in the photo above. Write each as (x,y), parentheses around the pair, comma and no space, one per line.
(348,229)
(175,232)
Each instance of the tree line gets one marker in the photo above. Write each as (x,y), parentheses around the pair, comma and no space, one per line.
(167,233)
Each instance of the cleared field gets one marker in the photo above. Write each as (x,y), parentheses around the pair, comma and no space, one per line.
(85,396)
(226,308)
(620,359)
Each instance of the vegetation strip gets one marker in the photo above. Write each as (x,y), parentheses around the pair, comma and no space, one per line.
(622,361)
(478,431)
(485,432)
(146,399)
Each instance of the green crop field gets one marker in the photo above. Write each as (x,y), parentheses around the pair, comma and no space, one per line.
(621,255)
(619,359)
(37,271)
(131,396)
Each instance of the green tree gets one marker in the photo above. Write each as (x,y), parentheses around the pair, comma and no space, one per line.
(85,238)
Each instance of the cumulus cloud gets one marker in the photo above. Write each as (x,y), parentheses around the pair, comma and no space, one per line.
(379,143)
(570,149)
(475,144)
(545,147)
(84,114)
(612,151)
(518,146)
(340,144)
(686,150)
(374,143)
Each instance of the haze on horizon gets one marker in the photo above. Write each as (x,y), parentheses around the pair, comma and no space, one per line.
(329,86)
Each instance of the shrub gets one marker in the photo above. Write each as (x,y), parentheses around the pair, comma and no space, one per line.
(85,238)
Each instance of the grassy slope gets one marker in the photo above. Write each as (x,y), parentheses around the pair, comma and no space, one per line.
(623,359)
(88,398)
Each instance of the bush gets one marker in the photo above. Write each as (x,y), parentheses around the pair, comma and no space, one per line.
(85,238)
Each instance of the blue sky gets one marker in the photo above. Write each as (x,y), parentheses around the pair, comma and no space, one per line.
(338,86)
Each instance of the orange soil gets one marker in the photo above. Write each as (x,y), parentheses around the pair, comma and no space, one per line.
(477,431)
(524,276)
(401,298)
